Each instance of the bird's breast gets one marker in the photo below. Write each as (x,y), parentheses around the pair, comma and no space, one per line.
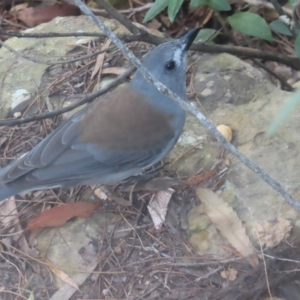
(124,121)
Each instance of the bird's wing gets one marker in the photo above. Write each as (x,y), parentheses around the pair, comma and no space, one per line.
(119,132)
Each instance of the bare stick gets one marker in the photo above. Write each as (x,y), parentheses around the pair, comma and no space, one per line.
(290,61)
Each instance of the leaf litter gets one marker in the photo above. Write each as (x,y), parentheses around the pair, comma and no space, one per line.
(147,252)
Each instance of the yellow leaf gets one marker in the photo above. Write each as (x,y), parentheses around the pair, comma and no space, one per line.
(61,274)
(228,223)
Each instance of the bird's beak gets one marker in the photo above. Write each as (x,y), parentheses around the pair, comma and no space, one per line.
(188,38)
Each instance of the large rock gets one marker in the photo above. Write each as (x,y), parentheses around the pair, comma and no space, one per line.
(234,93)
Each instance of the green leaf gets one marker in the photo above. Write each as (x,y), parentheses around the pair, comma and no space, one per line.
(220,5)
(286,111)
(157,7)
(206,35)
(196,3)
(173,9)
(280,27)
(297,45)
(292,2)
(250,24)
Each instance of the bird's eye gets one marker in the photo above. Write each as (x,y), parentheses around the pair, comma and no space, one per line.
(170,65)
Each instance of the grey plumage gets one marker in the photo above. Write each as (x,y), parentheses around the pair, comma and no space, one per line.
(120,135)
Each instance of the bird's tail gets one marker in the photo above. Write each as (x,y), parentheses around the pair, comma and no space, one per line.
(6,192)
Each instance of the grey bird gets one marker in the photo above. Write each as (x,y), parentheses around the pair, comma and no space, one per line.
(124,133)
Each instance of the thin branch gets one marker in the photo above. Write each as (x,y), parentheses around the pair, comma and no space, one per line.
(284,83)
(290,61)
(282,259)
(119,17)
(206,122)
(42,35)
(265,265)
(87,56)
(114,83)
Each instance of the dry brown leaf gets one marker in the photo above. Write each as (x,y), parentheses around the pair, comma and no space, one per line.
(100,59)
(154,24)
(33,16)
(59,215)
(61,274)
(199,178)
(229,274)
(228,223)
(158,207)
(18,7)
(114,70)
